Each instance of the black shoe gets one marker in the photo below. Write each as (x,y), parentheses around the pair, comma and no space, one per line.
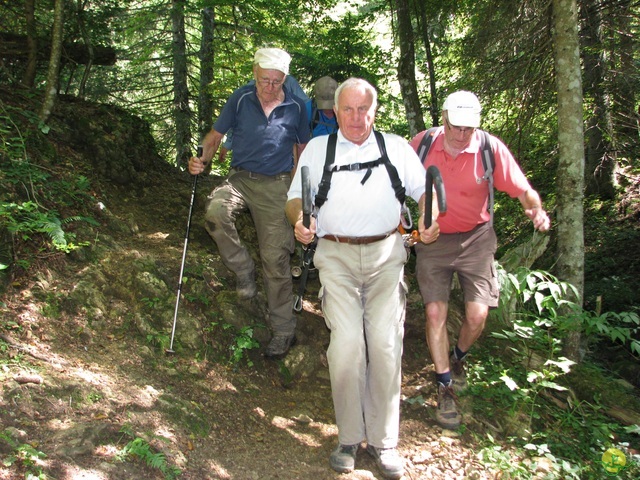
(343,458)
(388,460)
(279,346)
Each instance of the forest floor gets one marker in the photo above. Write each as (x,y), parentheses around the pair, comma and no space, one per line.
(76,393)
(83,400)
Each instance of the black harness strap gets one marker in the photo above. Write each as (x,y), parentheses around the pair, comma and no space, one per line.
(325,183)
(398,188)
(329,168)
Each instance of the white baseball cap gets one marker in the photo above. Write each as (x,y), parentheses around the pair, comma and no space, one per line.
(273,59)
(463,109)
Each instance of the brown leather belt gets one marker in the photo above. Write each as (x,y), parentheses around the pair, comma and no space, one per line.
(358,240)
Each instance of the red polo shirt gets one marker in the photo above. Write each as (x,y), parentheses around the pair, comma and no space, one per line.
(466,191)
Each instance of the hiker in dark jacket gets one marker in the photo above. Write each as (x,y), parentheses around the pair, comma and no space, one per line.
(467,243)
(268,124)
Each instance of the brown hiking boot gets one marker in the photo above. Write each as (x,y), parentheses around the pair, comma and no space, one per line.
(458,373)
(447,414)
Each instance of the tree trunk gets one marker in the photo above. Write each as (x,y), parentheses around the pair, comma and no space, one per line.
(570,178)
(624,86)
(407,69)
(431,71)
(87,41)
(600,153)
(205,101)
(29,77)
(181,110)
(51,88)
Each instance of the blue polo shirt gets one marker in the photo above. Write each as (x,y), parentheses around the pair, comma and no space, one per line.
(260,144)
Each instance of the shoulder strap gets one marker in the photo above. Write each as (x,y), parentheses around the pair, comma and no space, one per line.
(325,183)
(317,120)
(425,143)
(396,183)
(489,164)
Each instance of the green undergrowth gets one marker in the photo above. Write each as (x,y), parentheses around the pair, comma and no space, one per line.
(547,416)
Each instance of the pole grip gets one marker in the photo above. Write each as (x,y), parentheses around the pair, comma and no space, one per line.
(307,203)
(433,179)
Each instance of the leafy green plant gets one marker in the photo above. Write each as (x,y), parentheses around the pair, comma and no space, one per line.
(541,310)
(161,340)
(26,219)
(26,456)
(139,448)
(620,327)
(242,343)
(151,302)
(537,311)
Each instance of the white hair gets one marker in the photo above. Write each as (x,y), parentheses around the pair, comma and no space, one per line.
(358,83)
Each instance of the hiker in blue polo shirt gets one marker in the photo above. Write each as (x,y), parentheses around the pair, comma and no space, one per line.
(269,126)
(291,84)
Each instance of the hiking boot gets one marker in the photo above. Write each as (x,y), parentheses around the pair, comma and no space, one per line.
(389,461)
(458,373)
(343,458)
(246,286)
(279,346)
(447,415)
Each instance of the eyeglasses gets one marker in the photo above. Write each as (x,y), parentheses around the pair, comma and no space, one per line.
(265,82)
(456,128)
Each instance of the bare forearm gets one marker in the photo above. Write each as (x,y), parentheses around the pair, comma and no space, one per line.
(293,210)
(532,205)
(210,145)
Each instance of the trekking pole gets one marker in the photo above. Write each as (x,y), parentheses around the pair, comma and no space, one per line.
(433,178)
(184,255)
(307,207)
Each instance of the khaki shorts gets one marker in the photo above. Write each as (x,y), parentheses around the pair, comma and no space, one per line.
(470,255)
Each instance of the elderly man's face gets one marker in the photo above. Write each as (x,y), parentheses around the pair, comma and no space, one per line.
(356,114)
(458,137)
(268,83)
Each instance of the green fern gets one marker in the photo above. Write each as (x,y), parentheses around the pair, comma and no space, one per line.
(26,219)
(140,448)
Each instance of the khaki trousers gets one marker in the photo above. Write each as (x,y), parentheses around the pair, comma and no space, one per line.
(264,197)
(363,299)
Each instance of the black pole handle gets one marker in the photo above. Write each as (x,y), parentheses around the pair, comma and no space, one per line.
(434,178)
(307,203)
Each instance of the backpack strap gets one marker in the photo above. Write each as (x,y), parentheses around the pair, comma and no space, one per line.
(396,183)
(325,183)
(489,163)
(329,168)
(425,143)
